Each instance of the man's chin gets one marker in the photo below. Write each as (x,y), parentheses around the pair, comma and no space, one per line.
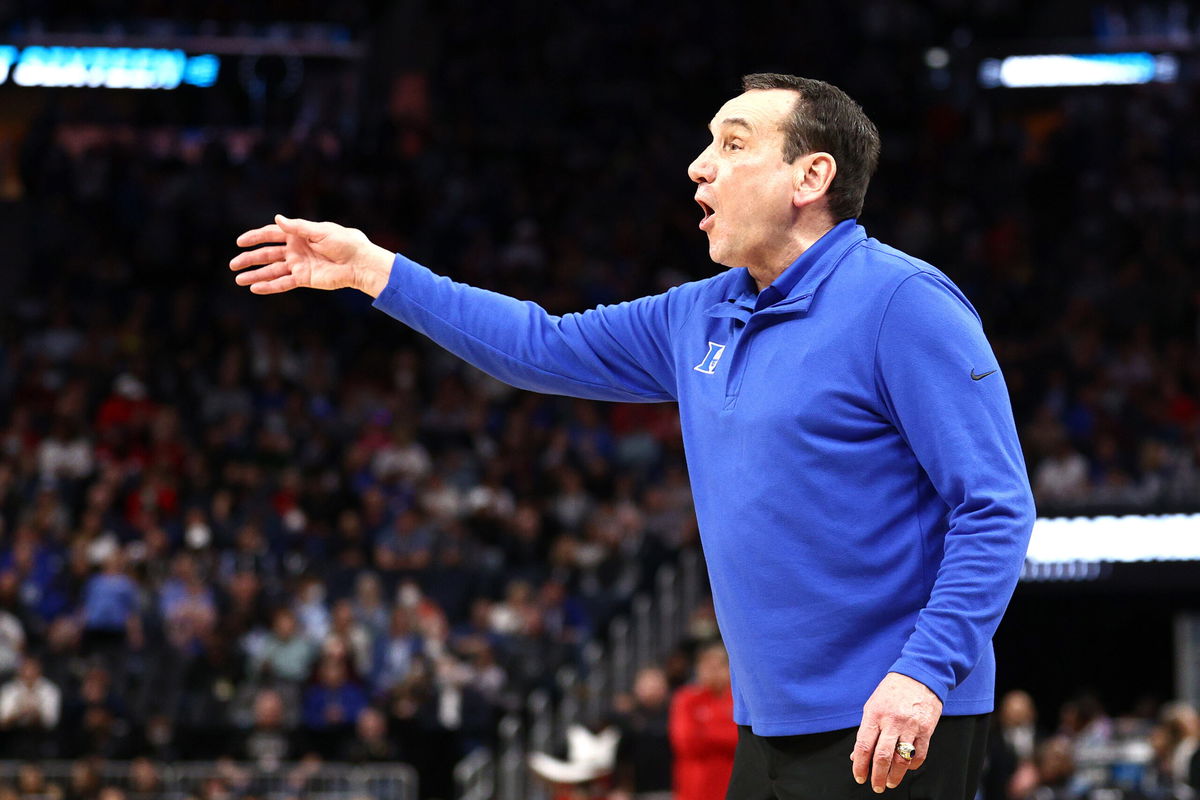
(719,255)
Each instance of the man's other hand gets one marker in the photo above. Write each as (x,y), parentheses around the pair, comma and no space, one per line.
(901,709)
(318,255)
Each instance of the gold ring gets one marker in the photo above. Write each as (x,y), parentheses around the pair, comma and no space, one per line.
(905,750)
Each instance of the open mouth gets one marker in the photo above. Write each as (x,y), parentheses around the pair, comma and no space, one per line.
(709,213)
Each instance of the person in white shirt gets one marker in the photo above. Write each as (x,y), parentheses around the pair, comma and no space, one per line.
(30,701)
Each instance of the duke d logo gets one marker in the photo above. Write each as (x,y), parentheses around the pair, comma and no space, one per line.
(709,365)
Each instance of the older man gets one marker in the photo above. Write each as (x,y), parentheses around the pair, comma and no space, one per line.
(859,486)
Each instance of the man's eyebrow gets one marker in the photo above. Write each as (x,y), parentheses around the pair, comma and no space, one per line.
(733,121)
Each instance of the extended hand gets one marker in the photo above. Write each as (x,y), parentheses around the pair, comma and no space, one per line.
(319,255)
(900,710)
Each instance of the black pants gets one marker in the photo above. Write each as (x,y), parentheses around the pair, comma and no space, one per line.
(816,766)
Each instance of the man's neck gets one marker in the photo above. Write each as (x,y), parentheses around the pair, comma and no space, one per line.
(800,238)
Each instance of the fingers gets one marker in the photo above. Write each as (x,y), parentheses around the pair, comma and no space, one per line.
(899,765)
(278,232)
(313,231)
(884,759)
(259,257)
(864,746)
(922,745)
(267,273)
(282,284)
(265,234)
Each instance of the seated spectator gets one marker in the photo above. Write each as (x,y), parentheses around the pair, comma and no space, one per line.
(248,554)
(311,611)
(1062,477)
(369,608)
(331,706)
(370,742)
(268,744)
(487,676)
(188,607)
(29,707)
(145,782)
(396,653)
(31,780)
(285,655)
(96,718)
(406,545)
(355,637)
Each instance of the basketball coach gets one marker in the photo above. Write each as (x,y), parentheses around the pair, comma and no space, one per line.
(859,486)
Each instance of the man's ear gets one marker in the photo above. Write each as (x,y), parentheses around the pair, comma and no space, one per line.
(812,176)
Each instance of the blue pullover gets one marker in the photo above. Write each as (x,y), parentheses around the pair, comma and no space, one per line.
(859,486)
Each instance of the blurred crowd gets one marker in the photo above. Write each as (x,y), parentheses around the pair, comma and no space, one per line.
(266,529)
(1151,753)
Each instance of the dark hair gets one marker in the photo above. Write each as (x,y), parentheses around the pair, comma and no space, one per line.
(825,119)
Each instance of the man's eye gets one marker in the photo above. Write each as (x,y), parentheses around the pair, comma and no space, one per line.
(732,146)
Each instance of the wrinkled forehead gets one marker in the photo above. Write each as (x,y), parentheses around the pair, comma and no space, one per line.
(759,111)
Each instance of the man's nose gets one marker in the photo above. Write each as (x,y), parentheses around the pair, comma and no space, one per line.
(701,170)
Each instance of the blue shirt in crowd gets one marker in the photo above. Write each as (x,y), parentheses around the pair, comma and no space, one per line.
(108,602)
(859,486)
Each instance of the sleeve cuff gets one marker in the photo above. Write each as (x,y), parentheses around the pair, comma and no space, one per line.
(907,667)
(400,267)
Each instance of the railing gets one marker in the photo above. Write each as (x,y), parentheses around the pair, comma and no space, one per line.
(475,776)
(181,779)
(1187,657)
(657,623)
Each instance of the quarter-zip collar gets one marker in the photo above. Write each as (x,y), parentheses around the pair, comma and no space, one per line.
(793,290)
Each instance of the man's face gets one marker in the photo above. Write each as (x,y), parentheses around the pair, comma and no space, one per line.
(745,186)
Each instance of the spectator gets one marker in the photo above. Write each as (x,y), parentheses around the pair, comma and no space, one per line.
(286,655)
(12,631)
(96,718)
(145,782)
(1062,477)
(1052,774)
(29,707)
(703,734)
(268,744)
(110,611)
(643,765)
(311,611)
(371,742)
(396,653)
(1176,740)
(188,608)
(331,705)
(31,780)
(354,637)
(1011,744)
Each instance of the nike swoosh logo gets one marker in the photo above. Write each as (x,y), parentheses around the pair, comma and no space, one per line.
(975,377)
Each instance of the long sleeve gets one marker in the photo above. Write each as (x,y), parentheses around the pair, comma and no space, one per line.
(618,352)
(942,388)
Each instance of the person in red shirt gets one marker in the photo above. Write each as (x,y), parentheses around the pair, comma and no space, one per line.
(703,734)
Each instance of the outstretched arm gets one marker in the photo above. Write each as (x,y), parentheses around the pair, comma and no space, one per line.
(618,352)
